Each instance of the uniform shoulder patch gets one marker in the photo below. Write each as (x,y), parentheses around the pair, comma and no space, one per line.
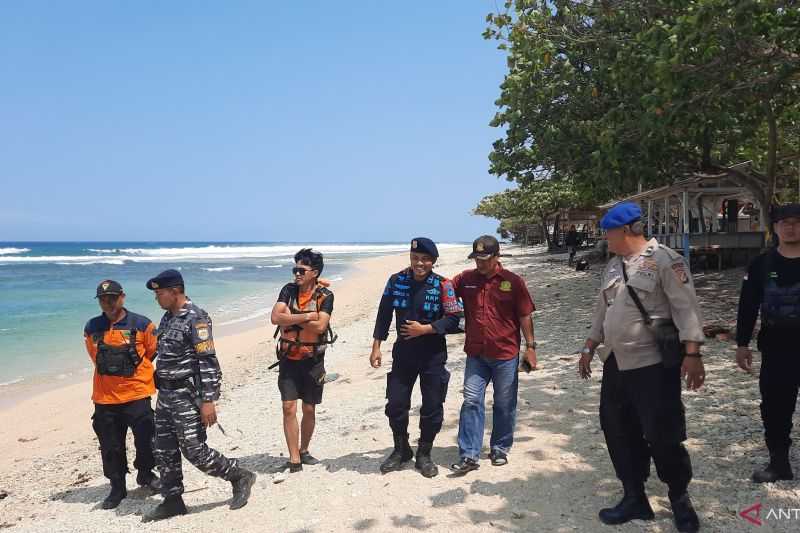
(204,347)
(679,270)
(505,286)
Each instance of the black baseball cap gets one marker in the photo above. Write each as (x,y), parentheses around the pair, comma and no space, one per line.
(168,278)
(485,247)
(424,245)
(108,286)
(779,212)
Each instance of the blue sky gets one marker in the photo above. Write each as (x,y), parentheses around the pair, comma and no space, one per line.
(315,121)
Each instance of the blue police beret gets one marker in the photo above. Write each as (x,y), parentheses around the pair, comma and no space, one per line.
(620,215)
(168,278)
(424,245)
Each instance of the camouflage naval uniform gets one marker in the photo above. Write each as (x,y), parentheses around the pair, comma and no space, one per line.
(185,355)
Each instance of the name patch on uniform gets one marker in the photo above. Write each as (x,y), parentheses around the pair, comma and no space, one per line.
(505,286)
(202,331)
(205,346)
(679,269)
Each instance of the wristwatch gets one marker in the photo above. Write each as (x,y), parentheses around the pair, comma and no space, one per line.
(531,345)
(694,354)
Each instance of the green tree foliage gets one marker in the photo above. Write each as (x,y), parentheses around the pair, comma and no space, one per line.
(613,94)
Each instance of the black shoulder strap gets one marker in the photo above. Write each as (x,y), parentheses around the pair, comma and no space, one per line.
(634,296)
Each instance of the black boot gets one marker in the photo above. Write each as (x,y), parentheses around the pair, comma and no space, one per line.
(424,462)
(633,506)
(777,469)
(171,506)
(147,479)
(401,454)
(683,513)
(117,494)
(242,481)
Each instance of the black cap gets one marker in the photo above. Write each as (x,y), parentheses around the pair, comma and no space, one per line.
(485,247)
(424,245)
(108,286)
(168,278)
(779,212)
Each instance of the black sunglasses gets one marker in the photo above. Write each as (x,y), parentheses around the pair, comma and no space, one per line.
(299,270)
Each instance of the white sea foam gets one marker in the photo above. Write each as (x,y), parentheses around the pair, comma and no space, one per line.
(213,252)
(98,262)
(269,266)
(10,251)
(11,382)
(218,269)
(252,316)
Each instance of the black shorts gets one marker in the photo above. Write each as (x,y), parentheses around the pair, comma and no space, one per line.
(296,383)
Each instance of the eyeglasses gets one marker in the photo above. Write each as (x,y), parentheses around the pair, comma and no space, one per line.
(298,271)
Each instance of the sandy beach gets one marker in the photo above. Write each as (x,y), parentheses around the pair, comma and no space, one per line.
(558,476)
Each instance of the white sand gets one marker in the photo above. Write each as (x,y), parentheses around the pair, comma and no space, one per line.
(558,476)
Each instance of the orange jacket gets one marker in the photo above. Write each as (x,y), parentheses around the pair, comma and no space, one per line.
(117,389)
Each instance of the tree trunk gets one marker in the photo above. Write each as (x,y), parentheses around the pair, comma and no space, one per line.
(772,154)
(545,233)
(556,230)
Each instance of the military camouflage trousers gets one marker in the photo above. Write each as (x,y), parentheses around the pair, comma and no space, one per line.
(180,430)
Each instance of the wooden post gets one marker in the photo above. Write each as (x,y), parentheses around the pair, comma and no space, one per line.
(685,213)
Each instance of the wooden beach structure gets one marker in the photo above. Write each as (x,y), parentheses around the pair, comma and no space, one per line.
(708,217)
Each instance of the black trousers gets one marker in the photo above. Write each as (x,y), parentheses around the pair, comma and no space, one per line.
(779,380)
(642,416)
(407,365)
(111,423)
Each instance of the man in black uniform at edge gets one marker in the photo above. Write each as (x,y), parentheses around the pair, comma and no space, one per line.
(772,286)
(426,308)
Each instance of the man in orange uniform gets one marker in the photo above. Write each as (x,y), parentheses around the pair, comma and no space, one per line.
(303,314)
(122,345)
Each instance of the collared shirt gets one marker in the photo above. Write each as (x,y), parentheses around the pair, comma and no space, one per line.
(664,285)
(186,350)
(119,389)
(493,307)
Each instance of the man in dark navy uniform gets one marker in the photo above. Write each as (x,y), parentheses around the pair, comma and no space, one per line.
(772,287)
(188,378)
(426,309)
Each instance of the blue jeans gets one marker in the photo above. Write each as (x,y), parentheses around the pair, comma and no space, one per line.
(505,379)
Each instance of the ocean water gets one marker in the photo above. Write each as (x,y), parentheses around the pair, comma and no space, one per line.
(47,291)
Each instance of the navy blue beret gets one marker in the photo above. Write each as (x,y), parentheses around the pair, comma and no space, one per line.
(168,278)
(620,215)
(785,211)
(423,245)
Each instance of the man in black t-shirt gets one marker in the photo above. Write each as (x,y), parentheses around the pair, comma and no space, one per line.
(302,313)
(771,287)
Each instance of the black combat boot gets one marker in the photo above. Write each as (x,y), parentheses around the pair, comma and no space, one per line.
(147,479)
(401,454)
(633,506)
(117,494)
(424,462)
(242,481)
(777,469)
(171,506)
(683,513)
